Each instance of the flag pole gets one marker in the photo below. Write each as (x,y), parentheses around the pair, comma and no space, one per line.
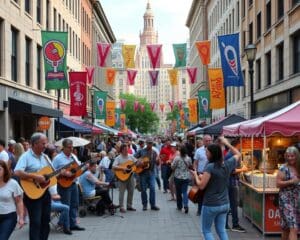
(58,117)
(225,95)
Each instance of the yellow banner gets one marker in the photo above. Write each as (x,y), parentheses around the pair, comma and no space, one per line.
(193,116)
(181,114)
(122,121)
(173,75)
(110,113)
(128,52)
(110,75)
(216,86)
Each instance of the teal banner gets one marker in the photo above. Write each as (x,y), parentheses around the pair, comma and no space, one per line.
(180,54)
(203,100)
(100,104)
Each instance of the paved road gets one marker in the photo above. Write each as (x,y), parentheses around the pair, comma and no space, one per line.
(166,224)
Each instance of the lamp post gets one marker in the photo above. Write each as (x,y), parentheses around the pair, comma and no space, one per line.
(92,101)
(250,51)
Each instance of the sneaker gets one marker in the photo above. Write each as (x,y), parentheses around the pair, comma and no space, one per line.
(155,208)
(186,210)
(144,208)
(67,231)
(122,210)
(238,228)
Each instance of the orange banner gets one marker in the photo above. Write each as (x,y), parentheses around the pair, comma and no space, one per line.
(110,113)
(204,51)
(122,121)
(162,107)
(110,74)
(216,86)
(128,52)
(181,114)
(173,75)
(193,116)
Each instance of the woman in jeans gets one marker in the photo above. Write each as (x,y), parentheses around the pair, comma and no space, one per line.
(215,182)
(11,203)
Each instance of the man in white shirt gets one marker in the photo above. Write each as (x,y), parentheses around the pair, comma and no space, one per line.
(3,154)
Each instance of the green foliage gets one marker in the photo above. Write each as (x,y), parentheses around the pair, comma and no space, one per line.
(145,122)
(174,114)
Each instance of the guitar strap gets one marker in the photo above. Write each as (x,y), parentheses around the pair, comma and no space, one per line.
(48,160)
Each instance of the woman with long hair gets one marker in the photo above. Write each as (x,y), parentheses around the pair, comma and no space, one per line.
(215,182)
(288,182)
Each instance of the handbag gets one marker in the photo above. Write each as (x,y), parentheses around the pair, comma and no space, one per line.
(196,194)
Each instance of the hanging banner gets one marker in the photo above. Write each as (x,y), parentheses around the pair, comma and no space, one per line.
(142,107)
(78,93)
(181,114)
(230,59)
(136,106)
(131,74)
(128,52)
(179,104)
(154,53)
(173,75)
(110,113)
(186,117)
(171,104)
(122,103)
(110,74)
(203,48)
(122,121)
(90,74)
(153,77)
(192,72)
(55,45)
(100,104)
(203,103)
(180,54)
(192,103)
(216,86)
(117,117)
(152,106)
(162,107)
(103,50)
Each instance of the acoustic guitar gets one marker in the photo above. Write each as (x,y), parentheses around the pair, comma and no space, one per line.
(35,190)
(195,194)
(145,165)
(123,175)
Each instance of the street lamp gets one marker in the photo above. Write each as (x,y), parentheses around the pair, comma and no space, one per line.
(250,51)
(92,101)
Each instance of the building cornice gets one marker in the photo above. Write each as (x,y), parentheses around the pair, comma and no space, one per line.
(192,11)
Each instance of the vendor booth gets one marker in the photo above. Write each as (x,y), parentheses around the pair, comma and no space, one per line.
(263,144)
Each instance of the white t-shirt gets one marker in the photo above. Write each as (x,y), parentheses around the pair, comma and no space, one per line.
(4,156)
(104,163)
(7,194)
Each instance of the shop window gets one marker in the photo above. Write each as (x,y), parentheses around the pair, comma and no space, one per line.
(258,25)
(14,54)
(296,52)
(280,8)
(280,53)
(27,60)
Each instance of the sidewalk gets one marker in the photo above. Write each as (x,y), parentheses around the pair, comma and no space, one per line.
(166,224)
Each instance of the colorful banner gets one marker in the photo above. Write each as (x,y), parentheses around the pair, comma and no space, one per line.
(193,116)
(131,74)
(103,50)
(90,74)
(142,107)
(117,117)
(173,76)
(230,59)
(179,105)
(110,75)
(152,106)
(153,77)
(216,86)
(123,103)
(162,107)
(203,101)
(154,53)
(136,106)
(78,93)
(180,54)
(204,51)
(186,117)
(55,45)
(100,104)
(110,113)
(192,72)
(128,52)
(181,117)
(122,121)
(171,104)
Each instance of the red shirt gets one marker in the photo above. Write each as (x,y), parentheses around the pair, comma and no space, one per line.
(165,154)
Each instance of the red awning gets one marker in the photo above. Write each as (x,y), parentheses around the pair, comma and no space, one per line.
(94,129)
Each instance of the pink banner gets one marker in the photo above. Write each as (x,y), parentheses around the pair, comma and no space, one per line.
(90,74)
(103,50)
(136,106)
(162,107)
(153,77)
(131,74)
(192,72)
(78,93)
(142,107)
(152,106)
(154,53)
(122,103)
(179,104)
(171,104)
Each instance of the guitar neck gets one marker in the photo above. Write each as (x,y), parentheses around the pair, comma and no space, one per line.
(56,172)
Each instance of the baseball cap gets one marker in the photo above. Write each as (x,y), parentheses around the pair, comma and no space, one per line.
(173,144)
(11,142)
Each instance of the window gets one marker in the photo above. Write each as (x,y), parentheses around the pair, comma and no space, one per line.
(27,60)
(27,6)
(1,47)
(296,52)
(243,8)
(268,15)
(54,19)
(250,33)
(295,2)
(268,68)
(258,74)
(238,14)
(244,87)
(38,11)
(280,52)
(14,54)
(280,8)
(47,14)
(38,67)
(258,25)
(250,2)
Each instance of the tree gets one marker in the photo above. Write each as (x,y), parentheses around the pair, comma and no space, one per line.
(144,122)
(173,115)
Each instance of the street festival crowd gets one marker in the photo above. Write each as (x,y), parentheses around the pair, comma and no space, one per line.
(39,179)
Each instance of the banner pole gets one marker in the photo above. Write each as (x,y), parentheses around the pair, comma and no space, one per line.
(58,117)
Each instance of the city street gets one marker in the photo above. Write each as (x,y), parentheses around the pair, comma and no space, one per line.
(166,224)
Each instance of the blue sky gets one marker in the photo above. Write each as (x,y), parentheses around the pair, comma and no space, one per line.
(126,20)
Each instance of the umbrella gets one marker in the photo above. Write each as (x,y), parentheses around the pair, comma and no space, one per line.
(77,142)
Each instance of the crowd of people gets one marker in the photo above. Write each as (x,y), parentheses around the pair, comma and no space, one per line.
(131,166)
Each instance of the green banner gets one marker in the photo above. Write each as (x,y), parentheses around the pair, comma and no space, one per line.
(203,100)
(186,117)
(177,122)
(55,46)
(100,104)
(117,118)
(180,54)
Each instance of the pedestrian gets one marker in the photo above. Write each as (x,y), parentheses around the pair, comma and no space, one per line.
(164,156)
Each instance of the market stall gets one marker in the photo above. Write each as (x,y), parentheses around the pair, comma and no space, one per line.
(264,141)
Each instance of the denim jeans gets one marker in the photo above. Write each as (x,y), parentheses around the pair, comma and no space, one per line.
(147,179)
(109,175)
(39,211)
(70,197)
(165,174)
(63,209)
(181,192)
(233,192)
(214,214)
(7,224)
